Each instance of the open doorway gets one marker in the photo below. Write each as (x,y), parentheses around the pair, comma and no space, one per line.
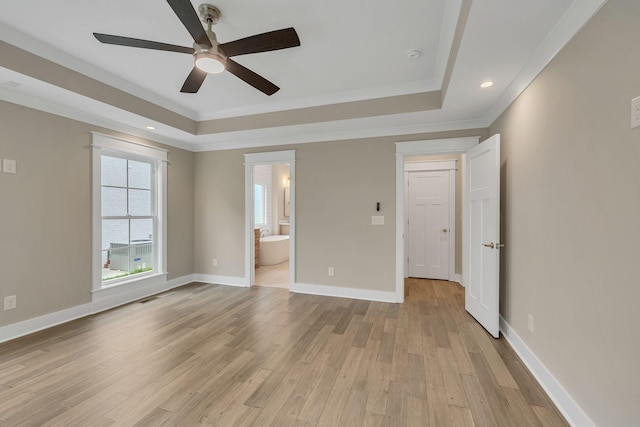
(421,151)
(271,213)
(480,223)
(270,218)
(433,214)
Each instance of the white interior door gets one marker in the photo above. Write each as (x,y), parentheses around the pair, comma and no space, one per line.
(428,224)
(481,259)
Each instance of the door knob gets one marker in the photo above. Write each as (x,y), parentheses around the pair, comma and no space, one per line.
(444,230)
(489,245)
(499,245)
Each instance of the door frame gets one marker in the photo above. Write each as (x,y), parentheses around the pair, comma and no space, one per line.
(287,157)
(430,166)
(418,148)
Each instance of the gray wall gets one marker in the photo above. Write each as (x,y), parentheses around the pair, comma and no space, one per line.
(45,212)
(338,185)
(571,216)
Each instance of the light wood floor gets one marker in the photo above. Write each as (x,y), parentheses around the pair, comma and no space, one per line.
(275,276)
(224,356)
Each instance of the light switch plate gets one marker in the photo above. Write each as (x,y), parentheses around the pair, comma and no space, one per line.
(377,220)
(9,166)
(635,112)
(10,302)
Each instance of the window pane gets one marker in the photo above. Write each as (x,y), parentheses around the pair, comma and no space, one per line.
(141,230)
(140,202)
(114,201)
(115,231)
(141,245)
(259,204)
(114,171)
(139,175)
(115,240)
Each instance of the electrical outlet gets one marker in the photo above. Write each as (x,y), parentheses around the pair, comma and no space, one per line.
(214,262)
(10,302)
(530,324)
(332,272)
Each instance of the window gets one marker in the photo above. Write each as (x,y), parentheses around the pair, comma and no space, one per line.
(128,217)
(129,206)
(260,204)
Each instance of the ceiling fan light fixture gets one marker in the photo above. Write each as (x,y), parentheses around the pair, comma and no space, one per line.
(210,63)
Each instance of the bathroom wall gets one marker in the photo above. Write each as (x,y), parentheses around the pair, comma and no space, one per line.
(262,175)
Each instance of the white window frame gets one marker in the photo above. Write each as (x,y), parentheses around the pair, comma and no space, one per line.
(115,147)
(264,205)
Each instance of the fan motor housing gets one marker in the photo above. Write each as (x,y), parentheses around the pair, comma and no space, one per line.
(209,13)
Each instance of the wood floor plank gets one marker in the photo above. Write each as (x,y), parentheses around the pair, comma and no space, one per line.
(478,403)
(452,380)
(210,355)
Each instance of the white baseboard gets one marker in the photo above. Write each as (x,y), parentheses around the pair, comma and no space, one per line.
(115,299)
(336,291)
(457,278)
(221,280)
(562,399)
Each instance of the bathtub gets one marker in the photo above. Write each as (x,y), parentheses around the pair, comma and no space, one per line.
(274,250)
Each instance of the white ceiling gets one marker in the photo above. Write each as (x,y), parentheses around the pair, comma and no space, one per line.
(350,50)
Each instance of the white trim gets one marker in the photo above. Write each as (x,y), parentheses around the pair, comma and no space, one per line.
(344,292)
(413,148)
(430,165)
(221,280)
(457,278)
(120,145)
(46,321)
(577,16)
(268,158)
(271,157)
(574,414)
(436,146)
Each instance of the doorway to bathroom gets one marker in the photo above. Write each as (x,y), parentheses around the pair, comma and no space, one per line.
(269,218)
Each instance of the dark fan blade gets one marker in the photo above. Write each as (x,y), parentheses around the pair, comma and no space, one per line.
(194,81)
(252,78)
(273,40)
(146,44)
(190,20)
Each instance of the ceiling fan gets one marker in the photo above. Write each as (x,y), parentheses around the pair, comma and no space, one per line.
(211,57)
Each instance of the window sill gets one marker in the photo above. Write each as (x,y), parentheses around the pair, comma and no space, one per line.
(131,289)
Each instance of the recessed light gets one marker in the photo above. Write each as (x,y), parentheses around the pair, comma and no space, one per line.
(413,53)
(151,128)
(486,85)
